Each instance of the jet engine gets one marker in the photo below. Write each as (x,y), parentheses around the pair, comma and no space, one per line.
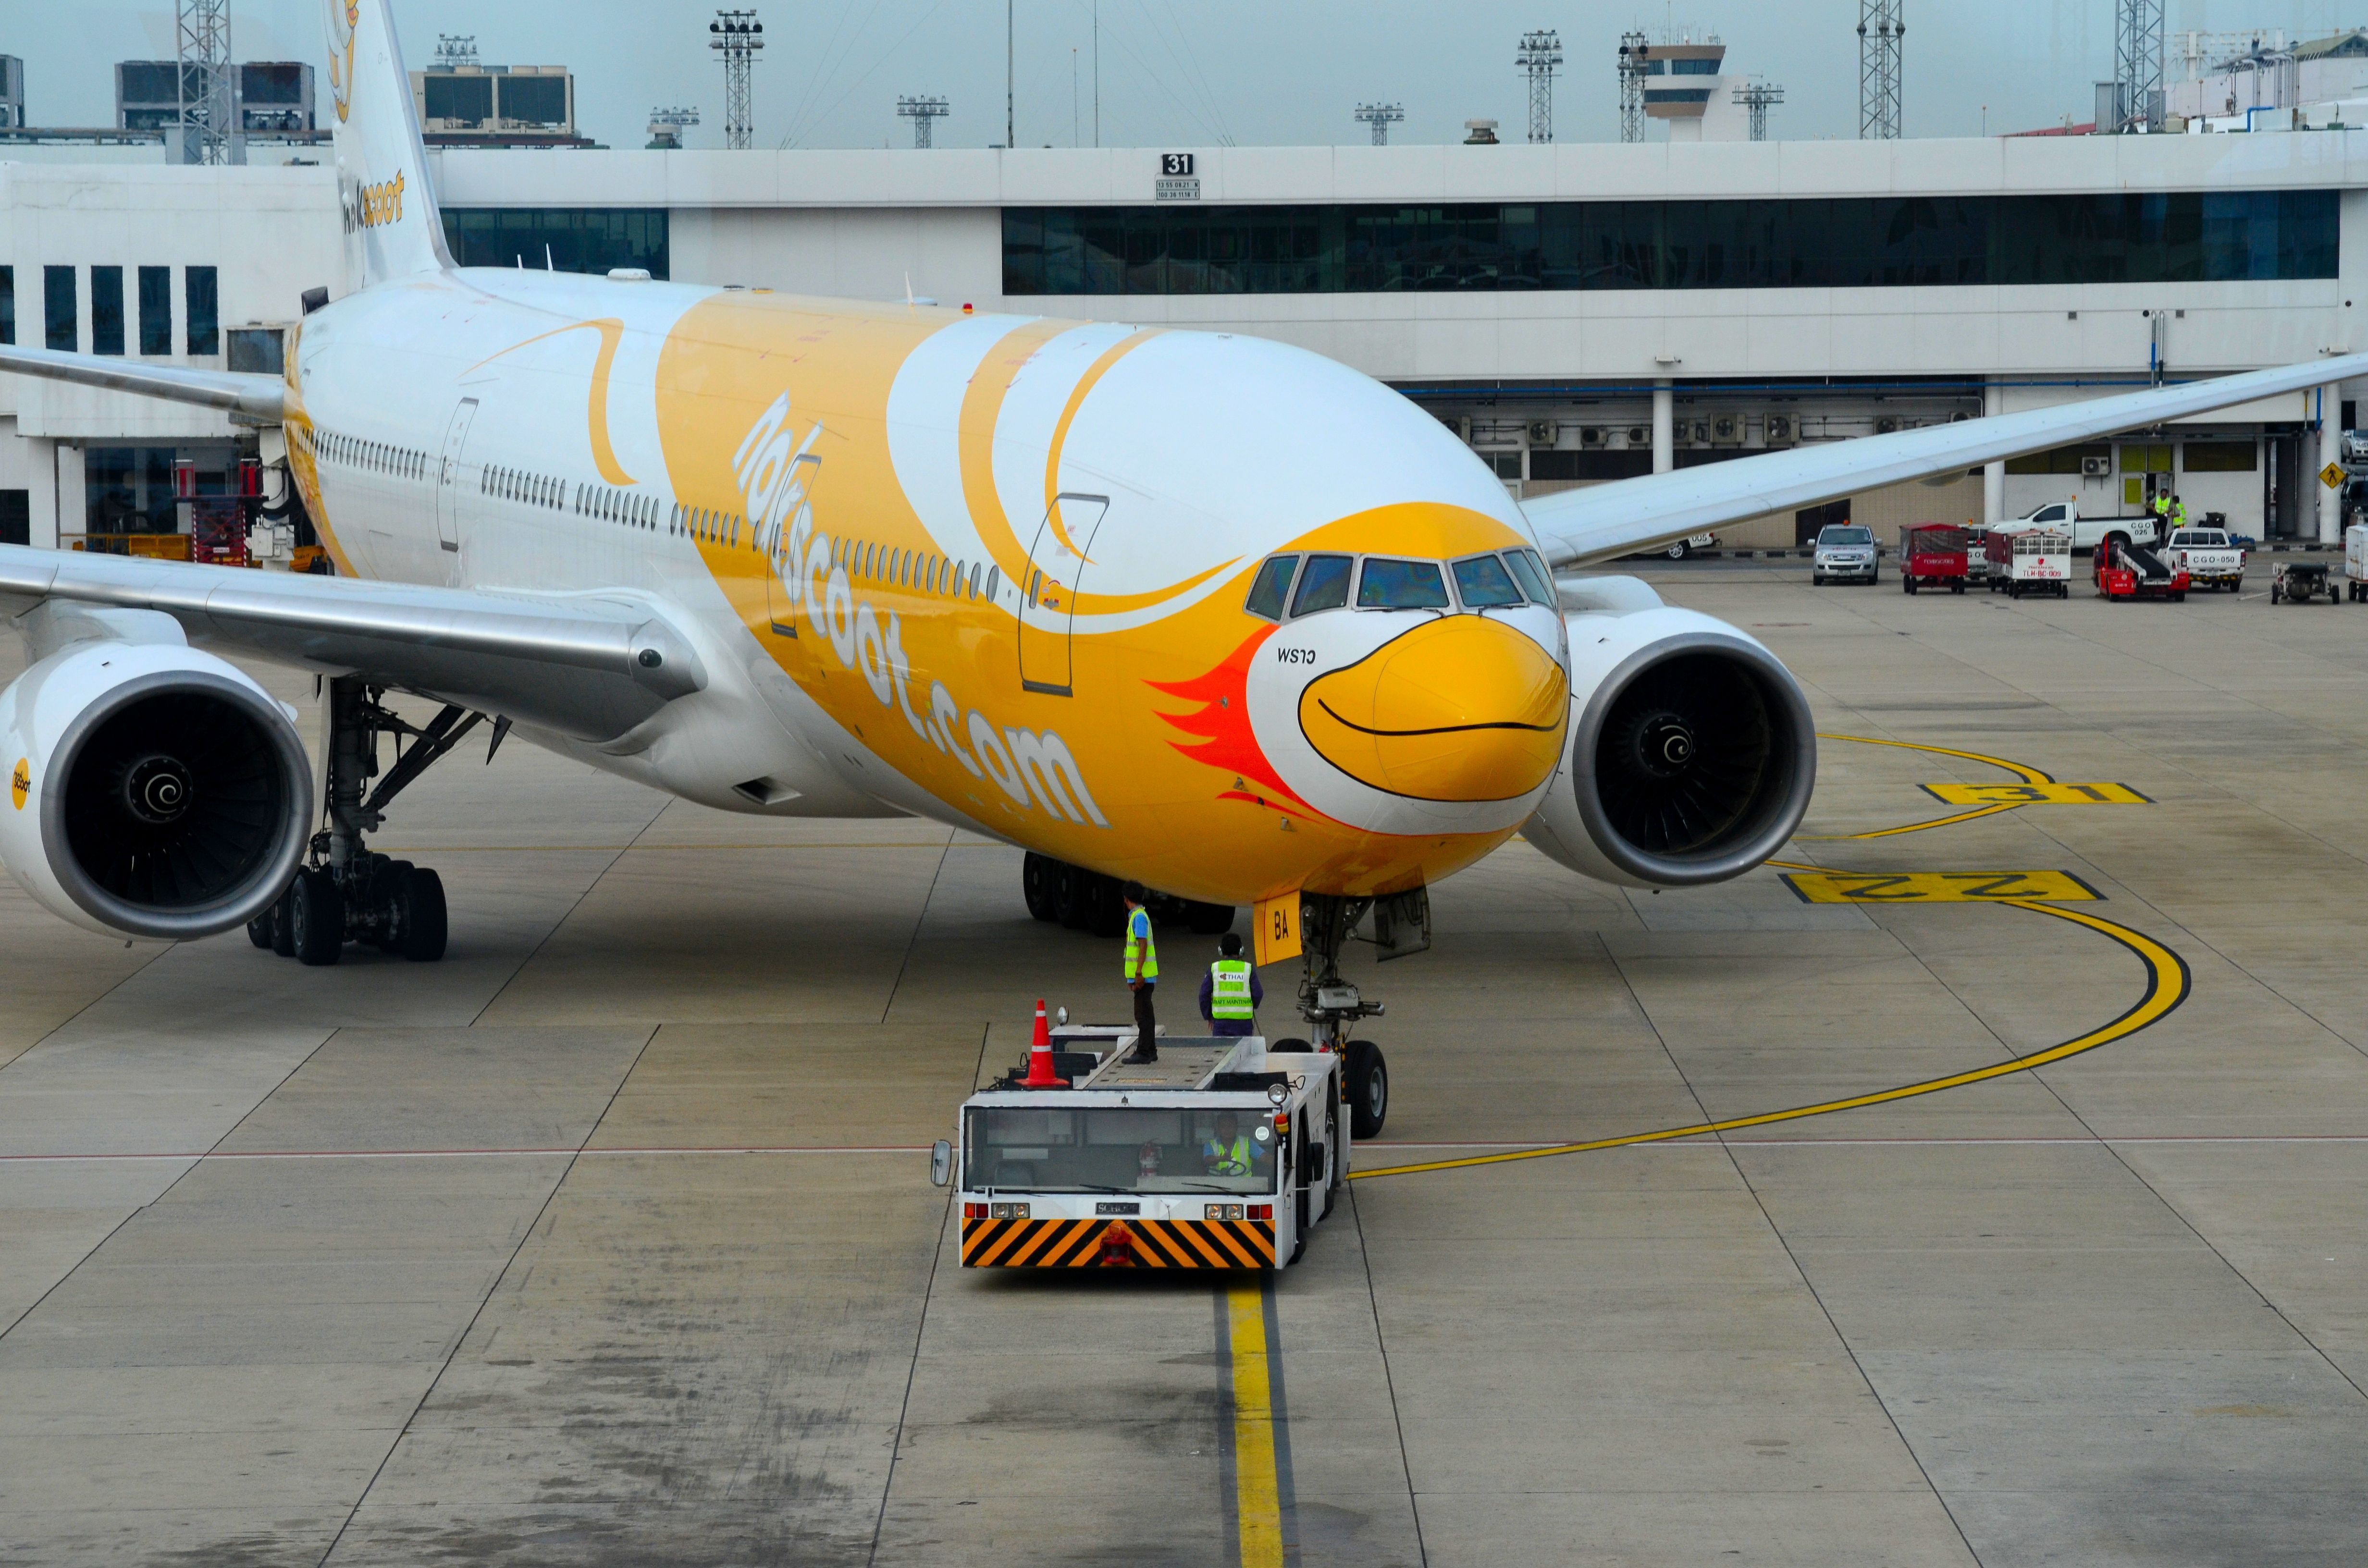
(1690,756)
(154,790)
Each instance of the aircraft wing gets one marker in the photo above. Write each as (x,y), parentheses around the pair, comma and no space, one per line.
(588,666)
(234,392)
(1576,527)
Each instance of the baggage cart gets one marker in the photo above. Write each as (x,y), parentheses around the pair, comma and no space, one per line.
(2029,560)
(2297,581)
(1933,555)
(2356,557)
(2124,571)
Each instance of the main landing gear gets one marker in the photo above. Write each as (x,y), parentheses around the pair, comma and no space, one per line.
(1090,902)
(345,892)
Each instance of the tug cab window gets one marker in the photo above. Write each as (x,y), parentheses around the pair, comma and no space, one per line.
(1323,585)
(1270,587)
(1401,584)
(1482,583)
(1112,1149)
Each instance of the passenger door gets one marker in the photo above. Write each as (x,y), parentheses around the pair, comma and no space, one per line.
(786,550)
(448,480)
(1056,567)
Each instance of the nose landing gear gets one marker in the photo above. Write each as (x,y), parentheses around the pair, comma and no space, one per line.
(347,893)
(1334,1006)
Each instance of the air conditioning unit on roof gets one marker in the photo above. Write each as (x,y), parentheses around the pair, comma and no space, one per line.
(1591,434)
(1779,428)
(1542,432)
(2095,467)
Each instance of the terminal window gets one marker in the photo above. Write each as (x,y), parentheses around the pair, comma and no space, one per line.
(459,101)
(1810,242)
(535,100)
(106,310)
(15,517)
(202,307)
(567,239)
(7,304)
(155,310)
(58,330)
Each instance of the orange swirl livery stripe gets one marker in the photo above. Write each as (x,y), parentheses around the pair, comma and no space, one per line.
(982,409)
(596,407)
(1094,372)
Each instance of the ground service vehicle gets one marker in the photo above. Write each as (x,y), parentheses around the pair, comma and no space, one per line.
(2088,533)
(1222,1154)
(2208,556)
(1845,553)
(2297,581)
(2132,572)
(1933,555)
(2035,561)
(2355,555)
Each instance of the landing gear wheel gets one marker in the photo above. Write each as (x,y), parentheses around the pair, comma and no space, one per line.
(258,930)
(1285,1046)
(419,916)
(1105,910)
(1070,886)
(1369,1090)
(283,922)
(317,917)
(1039,881)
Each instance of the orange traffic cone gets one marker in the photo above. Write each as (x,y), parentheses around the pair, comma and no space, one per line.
(1039,1056)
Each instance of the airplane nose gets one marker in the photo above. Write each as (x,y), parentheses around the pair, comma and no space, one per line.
(1462,709)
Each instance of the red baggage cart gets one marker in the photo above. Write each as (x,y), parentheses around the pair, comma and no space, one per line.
(1933,555)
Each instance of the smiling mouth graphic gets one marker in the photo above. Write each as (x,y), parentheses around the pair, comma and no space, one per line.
(1464,708)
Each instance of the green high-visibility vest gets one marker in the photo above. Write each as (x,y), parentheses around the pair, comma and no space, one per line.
(1229,990)
(1227,1161)
(1144,966)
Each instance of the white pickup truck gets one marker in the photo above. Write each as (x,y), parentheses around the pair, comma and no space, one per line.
(2064,517)
(2207,557)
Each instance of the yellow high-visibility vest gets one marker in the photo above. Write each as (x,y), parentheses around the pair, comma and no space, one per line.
(1144,965)
(1229,991)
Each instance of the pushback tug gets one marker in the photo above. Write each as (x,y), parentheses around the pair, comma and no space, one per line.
(1222,1153)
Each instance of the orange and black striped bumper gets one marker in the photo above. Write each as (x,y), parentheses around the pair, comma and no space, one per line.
(1143,1244)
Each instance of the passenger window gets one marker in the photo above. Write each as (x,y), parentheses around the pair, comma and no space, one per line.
(1271,586)
(1323,585)
(1401,584)
(1482,583)
(1533,576)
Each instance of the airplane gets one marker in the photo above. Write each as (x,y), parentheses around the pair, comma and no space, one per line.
(1198,611)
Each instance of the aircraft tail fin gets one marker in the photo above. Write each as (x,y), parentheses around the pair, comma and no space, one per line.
(393,228)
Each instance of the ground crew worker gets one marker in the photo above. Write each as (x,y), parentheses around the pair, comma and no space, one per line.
(1141,974)
(1230,992)
(1227,1154)
(2160,508)
(2178,513)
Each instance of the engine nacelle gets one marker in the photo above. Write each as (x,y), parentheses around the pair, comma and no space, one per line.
(154,790)
(1691,759)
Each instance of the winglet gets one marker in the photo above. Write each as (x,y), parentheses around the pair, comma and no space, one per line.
(393,228)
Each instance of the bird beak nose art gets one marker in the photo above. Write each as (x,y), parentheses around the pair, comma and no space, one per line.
(1462,709)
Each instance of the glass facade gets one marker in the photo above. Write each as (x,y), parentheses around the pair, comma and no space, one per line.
(106,310)
(155,310)
(201,306)
(1841,242)
(58,327)
(577,239)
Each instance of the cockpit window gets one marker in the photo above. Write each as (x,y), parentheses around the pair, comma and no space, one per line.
(1482,583)
(1401,584)
(1272,584)
(1533,576)
(1323,585)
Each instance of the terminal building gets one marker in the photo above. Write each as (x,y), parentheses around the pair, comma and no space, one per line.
(1577,312)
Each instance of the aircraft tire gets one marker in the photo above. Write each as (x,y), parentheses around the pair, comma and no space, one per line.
(317,917)
(1369,1090)
(1039,881)
(420,918)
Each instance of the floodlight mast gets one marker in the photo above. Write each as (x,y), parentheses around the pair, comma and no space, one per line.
(1634,53)
(1755,97)
(1381,116)
(207,83)
(922,112)
(1539,56)
(736,36)
(1881,35)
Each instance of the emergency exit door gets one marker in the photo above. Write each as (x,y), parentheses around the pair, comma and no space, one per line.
(1056,570)
(448,476)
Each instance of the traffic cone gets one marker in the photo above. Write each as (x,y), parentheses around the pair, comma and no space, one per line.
(1039,1056)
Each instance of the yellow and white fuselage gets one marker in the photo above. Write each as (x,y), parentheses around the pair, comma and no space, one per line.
(989,569)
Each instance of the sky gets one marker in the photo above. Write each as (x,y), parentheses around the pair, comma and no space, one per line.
(1177,73)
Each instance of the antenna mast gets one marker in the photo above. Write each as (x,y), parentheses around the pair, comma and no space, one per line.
(2137,65)
(736,36)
